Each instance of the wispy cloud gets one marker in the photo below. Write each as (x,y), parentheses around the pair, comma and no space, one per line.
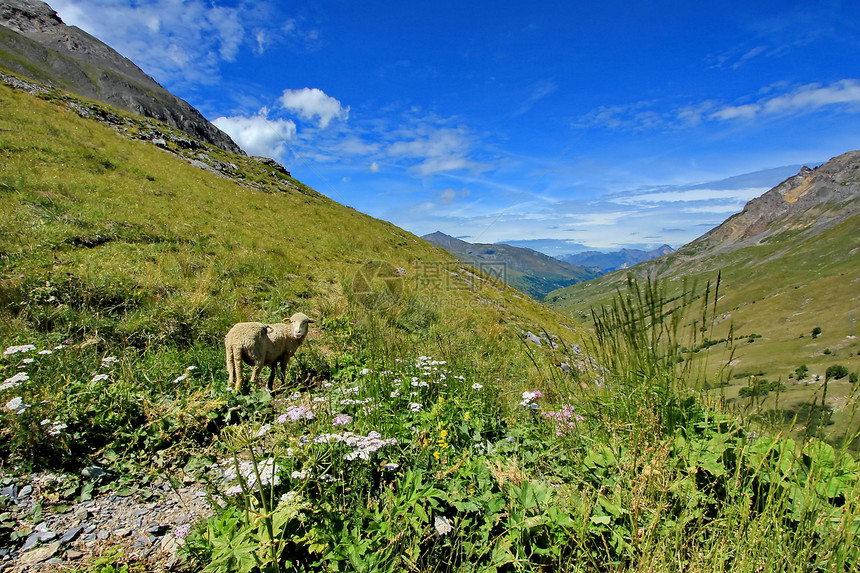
(780,101)
(810,97)
(539,91)
(180,42)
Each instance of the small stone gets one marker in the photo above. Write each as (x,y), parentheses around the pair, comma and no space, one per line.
(143,541)
(122,532)
(158,530)
(25,491)
(81,514)
(89,528)
(90,537)
(47,536)
(71,534)
(73,555)
(39,555)
(102,534)
(10,491)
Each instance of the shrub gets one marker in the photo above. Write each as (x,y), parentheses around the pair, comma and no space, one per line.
(836,372)
(816,332)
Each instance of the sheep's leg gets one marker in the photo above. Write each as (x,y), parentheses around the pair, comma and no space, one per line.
(284,362)
(272,370)
(234,368)
(255,373)
(229,355)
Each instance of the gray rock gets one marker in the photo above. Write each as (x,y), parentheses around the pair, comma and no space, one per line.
(158,530)
(47,536)
(25,491)
(102,534)
(122,532)
(32,541)
(71,534)
(73,555)
(10,491)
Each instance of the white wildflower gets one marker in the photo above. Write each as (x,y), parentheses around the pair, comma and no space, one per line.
(443,525)
(414,406)
(100,377)
(109,361)
(28,360)
(17,349)
(43,352)
(17,405)
(477,386)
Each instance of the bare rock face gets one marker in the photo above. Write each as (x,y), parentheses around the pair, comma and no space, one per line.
(36,43)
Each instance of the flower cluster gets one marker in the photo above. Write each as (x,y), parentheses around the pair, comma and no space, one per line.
(341,420)
(362,446)
(529,399)
(267,470)
(565,419)
(14,381)
(16,349)
(295,413)
(56,427)
(17,405)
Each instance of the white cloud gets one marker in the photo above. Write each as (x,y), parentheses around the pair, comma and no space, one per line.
(313,102)
(810,97)
(258,135)
(374,167)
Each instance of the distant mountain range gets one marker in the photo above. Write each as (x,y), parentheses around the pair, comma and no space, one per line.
(529,271)
(34,42)
(622,259)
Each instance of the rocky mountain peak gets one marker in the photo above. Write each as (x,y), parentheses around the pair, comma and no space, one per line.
(35,43)
(28,16)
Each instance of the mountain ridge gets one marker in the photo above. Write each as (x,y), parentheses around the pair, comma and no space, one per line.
(35,42)
(527,270)
(614,260)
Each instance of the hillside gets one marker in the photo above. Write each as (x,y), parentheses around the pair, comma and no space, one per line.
(526,270)
(615,260)
(36,44)
(420,427)
(788,263)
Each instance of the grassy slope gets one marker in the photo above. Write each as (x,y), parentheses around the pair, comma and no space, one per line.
(181,253)
(780,290)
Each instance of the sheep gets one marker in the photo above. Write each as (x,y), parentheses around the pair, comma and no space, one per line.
(260,345)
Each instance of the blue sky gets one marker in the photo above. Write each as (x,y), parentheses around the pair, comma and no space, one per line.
(556,125)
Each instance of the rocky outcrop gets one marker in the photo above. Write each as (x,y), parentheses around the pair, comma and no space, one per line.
(811,201)
(34,42)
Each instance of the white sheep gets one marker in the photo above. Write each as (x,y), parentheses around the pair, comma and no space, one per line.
(260,345)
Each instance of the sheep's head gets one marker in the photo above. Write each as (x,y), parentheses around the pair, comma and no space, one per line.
(300,323)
